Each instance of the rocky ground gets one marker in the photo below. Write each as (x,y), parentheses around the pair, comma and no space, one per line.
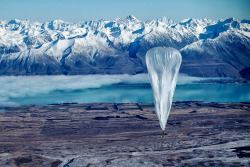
(90,135)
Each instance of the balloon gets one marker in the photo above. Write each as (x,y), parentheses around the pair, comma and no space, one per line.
(163,64)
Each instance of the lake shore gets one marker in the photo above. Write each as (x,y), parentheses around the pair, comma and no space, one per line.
(124,134)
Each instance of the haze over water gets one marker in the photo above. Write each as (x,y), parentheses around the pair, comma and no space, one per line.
(39,90)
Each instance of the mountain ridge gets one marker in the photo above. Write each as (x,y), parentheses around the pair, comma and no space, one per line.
(209,48)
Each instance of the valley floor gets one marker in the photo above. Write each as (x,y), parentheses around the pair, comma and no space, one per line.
(107,134)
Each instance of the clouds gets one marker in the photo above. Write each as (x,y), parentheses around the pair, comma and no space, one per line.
(16,90)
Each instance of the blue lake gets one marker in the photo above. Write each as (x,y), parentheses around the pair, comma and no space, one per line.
(121,88)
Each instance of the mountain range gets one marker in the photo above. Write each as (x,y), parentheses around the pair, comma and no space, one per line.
(209,48)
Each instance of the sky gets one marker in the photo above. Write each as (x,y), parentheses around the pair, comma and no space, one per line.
(80,10)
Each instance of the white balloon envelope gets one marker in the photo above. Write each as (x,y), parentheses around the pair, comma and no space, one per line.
(163,64)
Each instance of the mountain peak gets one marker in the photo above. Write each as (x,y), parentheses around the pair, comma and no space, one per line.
(14,21)
(131,18)
(56,22)
(186,21)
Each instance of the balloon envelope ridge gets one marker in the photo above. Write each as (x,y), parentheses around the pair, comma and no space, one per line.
(163,64)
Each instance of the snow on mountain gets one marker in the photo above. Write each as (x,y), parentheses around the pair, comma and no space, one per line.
(209,48)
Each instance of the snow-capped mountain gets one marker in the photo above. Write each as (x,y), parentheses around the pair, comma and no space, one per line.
(209,48)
